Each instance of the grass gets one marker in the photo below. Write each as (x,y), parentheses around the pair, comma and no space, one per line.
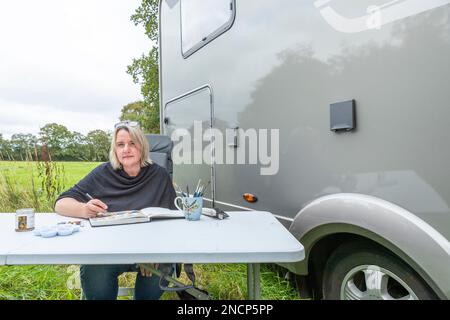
(20,186)
(229,282)
(51,282)
(35,283)
(22,171)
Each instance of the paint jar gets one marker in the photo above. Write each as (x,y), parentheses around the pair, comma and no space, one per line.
(24,219)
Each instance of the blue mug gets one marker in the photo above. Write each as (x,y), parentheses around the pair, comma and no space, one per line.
(191,207)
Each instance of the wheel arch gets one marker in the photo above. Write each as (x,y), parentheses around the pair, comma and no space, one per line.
(323,246)
(327,222)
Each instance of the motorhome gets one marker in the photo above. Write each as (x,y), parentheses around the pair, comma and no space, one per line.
(334,116)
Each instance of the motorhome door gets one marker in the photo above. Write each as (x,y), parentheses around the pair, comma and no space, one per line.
(187,120)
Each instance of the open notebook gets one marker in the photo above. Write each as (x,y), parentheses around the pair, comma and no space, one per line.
(134,216)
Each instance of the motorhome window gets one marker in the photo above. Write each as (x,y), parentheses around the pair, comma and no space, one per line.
(202,21)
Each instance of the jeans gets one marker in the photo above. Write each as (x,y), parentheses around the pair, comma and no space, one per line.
(99,282)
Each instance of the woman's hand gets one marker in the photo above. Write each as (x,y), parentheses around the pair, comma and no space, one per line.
(70,207)
(94,207)
(147,273)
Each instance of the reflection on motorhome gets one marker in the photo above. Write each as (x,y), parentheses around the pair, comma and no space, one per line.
(395,186)
(259,150)
(377,15)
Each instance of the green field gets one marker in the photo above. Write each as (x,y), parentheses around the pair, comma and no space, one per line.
(22,171)
(21,186)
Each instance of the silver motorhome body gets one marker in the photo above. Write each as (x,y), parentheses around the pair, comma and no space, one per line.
(280,65)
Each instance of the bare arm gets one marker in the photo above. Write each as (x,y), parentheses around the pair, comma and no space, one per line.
(73,208)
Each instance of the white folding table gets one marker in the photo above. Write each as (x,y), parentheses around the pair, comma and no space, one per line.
(250,237)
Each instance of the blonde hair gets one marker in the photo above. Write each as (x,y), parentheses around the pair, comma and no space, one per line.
(137,136)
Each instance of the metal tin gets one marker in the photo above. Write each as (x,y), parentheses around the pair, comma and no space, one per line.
(24,219)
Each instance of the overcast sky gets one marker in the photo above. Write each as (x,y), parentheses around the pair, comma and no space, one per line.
(65,61)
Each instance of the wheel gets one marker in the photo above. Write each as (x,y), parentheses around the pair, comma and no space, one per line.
(361,271)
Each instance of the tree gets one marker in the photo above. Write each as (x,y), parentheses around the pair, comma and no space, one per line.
(144,70)
(77,148)
(6,151)
(23,146)
(57,143)
(57,138)
(99,143)
(134,111)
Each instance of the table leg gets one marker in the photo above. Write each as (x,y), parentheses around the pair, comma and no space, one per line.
(253,281)
(250,287)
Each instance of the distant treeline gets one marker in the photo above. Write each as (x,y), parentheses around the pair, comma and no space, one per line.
(56,142)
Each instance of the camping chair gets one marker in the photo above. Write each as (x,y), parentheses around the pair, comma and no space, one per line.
(161,153)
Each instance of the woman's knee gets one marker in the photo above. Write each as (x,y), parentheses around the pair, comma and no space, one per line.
(147,288)
(100,282)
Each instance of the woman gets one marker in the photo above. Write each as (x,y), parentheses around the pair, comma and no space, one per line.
(128,181)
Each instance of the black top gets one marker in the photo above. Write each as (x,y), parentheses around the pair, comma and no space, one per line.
(152,187)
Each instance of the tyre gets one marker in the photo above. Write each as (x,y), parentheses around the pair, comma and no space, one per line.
(361,271)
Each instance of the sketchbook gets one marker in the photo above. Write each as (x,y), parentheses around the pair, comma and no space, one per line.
(134,216)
